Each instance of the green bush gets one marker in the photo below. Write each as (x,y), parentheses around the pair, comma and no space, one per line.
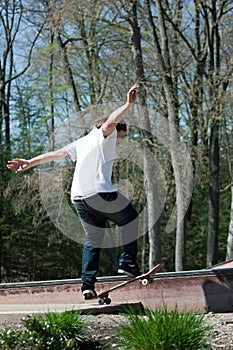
(163,330)
(50,331)
(12,338)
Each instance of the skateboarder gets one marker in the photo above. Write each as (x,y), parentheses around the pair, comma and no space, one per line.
(95,198)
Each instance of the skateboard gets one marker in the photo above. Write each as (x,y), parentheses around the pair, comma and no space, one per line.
(145,278)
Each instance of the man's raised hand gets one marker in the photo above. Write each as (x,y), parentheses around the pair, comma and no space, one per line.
(131,95)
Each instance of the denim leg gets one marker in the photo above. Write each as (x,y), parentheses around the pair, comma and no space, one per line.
(90,266)
(129,234)
(129,253)
(122,212)
(94,227)
(93,213)
(90,258)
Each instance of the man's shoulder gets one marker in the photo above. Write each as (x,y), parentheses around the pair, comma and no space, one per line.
(98,132)
(95,135)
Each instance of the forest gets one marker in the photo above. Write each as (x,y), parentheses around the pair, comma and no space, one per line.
(63,64)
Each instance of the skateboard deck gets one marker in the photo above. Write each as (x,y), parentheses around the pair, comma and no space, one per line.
(146,278)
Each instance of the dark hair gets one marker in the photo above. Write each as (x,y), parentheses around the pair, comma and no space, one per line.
(119,126)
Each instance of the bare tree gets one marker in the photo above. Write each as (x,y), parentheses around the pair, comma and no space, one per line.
(153,206)
(213,12)
(162,44)
(11,17)
(207,57)
(229,253)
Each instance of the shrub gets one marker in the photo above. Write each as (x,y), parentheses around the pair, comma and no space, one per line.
(12,338)
(163,330)
(50,331)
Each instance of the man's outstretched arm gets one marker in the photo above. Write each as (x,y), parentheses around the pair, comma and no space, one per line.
(20,164)
(116,116)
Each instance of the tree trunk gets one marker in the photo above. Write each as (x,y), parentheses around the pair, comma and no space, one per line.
(69,73)
(214,113)
(229,255)
(182,194)
(149,170)
(51,93)
(154,210)
(212,246)
(163,54)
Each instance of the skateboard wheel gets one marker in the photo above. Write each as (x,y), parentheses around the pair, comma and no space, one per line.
(101,301)
(145,282)
(151,280)
(107,301)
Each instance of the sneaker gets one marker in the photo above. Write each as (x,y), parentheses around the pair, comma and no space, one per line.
(128,269)
(89,294)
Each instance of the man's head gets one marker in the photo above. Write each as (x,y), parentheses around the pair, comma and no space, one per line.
(121,126)
(121,130)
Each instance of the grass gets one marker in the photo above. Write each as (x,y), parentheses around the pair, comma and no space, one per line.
(163,330)
(149,330)
(50,331)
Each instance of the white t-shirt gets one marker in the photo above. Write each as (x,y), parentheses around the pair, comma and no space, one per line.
(94,155)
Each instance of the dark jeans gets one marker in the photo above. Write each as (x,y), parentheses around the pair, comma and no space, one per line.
(94,212)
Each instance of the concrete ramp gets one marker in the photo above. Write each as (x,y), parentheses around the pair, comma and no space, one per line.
(197,291)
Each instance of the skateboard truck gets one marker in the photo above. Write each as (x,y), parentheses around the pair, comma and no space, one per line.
(104,300)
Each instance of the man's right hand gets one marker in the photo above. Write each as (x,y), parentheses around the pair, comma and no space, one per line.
(18,164)
(131,95)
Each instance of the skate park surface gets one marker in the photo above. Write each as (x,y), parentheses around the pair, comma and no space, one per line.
(197,291)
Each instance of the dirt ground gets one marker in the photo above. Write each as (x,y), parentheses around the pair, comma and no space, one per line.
(221,335)
(104,327)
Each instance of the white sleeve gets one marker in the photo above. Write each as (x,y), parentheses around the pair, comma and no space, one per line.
(112,136)
(72,151)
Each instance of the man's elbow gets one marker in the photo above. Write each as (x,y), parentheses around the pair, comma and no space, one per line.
(62,154)
(108,129)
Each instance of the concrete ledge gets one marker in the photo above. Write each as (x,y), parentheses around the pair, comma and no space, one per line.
(206,272)
(15,313)
(93,309)
(196,291)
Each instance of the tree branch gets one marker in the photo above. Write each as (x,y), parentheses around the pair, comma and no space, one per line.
(226,188)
